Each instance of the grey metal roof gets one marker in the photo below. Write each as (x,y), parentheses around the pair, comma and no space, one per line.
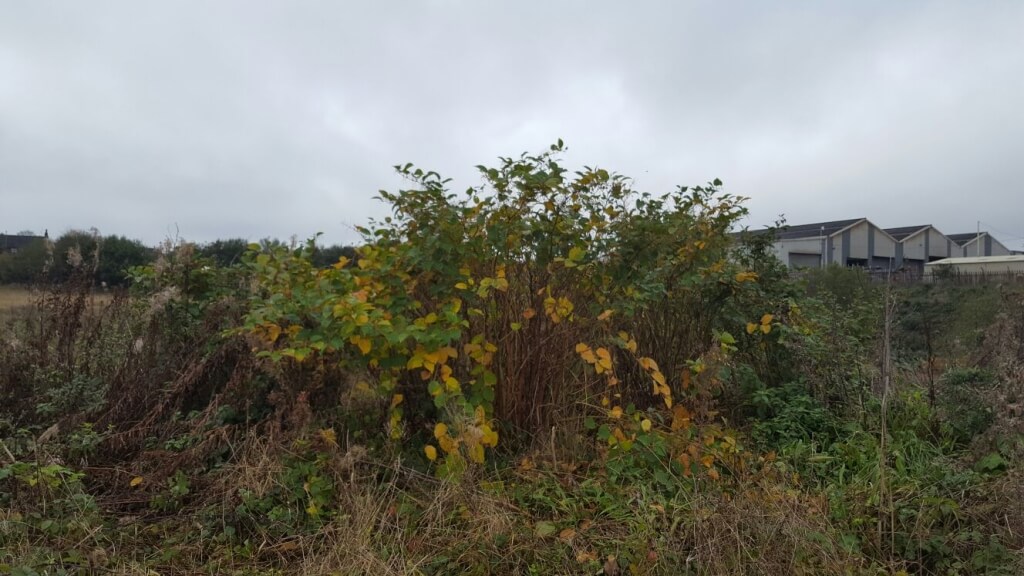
(976,260)
(815,230)
(903,232)
(965,238)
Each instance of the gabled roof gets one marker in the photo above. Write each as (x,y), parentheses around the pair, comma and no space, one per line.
(16,241)
(816,229)
(965,238)
(904,232)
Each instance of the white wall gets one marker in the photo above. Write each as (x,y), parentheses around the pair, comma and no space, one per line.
(803,246)
(858,241)
(939,245)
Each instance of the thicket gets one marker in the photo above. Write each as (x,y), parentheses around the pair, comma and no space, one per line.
(547,373)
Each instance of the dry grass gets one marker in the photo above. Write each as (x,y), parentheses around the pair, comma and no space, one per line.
(14,297)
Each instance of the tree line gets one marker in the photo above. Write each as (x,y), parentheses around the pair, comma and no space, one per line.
(108,258)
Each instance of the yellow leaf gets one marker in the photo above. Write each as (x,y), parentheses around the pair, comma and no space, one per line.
(461,286)
(658,377)
(645,425)
(448,444)
(746,276)
(490,437)
(605,315)
(476,453)
(440,430)
(567,534)
(586,353)
(707,460)
(526,464)
(751,327)
(604,360)
(395,401)
(766,328)
(713,474)
(329,436)
(767,319)
(648,363)
(135,481)
(615,412)
(363,343)
(529,313)
(431,452)
(273,331)
(604,401)
(451,384)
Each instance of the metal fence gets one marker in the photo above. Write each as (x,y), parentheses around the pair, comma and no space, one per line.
(955,277)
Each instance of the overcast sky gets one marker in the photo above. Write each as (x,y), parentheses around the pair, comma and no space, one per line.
(254,118)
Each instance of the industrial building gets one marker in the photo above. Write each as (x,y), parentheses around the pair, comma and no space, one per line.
(979,244)
(1010,267)
(859,242)
(856,242)
(918,245)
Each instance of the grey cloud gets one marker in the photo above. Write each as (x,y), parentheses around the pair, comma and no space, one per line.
(267,118)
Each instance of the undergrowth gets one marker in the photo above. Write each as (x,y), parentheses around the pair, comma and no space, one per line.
(550,374)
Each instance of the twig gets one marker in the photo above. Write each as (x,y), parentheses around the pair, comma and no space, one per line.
(8,452)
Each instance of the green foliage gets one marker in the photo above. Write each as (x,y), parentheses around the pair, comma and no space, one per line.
(964,410)
(224,253)
(675,401)
(26,266)
(788,415)
(302,500)
(458,291)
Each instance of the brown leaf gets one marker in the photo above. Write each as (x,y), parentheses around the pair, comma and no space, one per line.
(611,566)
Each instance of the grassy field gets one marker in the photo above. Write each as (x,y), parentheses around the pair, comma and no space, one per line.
(14,297)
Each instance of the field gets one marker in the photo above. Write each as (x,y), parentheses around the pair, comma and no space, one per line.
(14,297)
(541,380)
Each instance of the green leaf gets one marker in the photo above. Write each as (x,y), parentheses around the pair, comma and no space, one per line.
(544,529)
(991,463)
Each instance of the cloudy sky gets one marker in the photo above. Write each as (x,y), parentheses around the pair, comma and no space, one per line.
(255,118)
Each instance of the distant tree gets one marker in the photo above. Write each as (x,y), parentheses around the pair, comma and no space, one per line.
(26,265)
(71,251)
(269,244)
(329,255)
(117,255)
(108,258)
(224,252)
